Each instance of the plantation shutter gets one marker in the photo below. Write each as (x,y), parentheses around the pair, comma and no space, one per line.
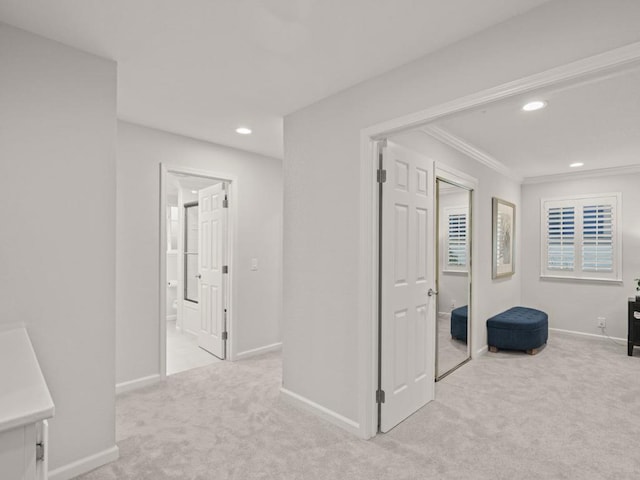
(457,244)
(597,238)
(560,238)
(581,237)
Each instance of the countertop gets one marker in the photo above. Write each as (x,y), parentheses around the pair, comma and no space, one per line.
(24,395)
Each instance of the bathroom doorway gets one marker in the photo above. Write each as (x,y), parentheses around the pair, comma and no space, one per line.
(196,284)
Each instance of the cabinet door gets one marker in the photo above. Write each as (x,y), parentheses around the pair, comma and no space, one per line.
(18,453)
(634,323)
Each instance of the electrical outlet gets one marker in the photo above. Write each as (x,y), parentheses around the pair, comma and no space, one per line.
(602,322)
(453,305)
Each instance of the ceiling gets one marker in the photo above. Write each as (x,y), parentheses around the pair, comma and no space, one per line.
(201,68)
(175,181)
(594,121)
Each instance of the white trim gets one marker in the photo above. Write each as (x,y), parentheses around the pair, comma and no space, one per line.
(583,334)
(84,465)
(323,412)
(482,351)
(171,318)
(367,260)
(457,177)
(469,150)
(368,289)
(259,351)
(590,65)
(595,173)
(131,385)
(618,281)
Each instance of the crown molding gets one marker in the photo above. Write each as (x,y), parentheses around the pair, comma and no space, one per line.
(469,150)
(595,173)
(608,60)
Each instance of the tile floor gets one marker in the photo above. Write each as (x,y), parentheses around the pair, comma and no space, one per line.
(183,352)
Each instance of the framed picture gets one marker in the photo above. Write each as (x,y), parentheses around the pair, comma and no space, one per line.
(504,230)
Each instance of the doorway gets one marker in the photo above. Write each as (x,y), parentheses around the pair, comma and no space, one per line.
(195,278)
(422,265)
(407,294)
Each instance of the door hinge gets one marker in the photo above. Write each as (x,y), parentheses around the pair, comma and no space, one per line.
(224,335)
(380,396)
(225,269)
(225,202)
(39,451)
(382,175)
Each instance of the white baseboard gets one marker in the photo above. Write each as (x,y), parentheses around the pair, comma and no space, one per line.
(84,465)
(137,383)
(258,351)
(323,412)
(583,334)
(482,351)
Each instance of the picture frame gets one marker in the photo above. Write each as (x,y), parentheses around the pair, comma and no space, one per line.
(503,238)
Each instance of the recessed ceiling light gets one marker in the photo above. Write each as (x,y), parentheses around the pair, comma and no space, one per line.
(535,105)
(194,191)
(243,130)
(576,164)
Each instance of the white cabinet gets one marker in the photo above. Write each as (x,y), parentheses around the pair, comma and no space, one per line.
(25,403)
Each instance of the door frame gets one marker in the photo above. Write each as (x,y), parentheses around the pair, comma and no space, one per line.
(368,227)
(232,250)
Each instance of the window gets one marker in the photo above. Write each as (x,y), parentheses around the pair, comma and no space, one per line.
(581,237)
(191,252)
(455,248)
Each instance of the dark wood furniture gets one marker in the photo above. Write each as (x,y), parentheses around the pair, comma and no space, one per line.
(633,337)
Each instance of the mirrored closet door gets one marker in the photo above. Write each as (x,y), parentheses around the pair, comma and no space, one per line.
(453,277)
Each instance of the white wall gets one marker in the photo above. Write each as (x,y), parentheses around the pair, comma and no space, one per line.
(452,285)
(572,304)
(325,298)
(57,253)
(259,233)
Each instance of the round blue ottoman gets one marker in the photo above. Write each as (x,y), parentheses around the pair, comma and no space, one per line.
(459,323)
(519,328)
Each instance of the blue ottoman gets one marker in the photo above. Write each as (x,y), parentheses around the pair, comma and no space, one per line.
(459,323)
(519,328)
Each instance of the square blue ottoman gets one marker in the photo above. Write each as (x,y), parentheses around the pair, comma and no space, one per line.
(519,328)
(459,323)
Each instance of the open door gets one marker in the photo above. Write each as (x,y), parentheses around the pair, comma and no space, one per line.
(212,215)
(407,279)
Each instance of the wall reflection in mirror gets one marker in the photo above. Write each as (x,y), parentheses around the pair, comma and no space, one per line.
(454,256)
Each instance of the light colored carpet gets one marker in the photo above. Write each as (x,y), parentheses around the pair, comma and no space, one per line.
(451,353)
(570,412)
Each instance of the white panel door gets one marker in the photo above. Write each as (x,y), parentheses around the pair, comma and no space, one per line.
(212,219)
(408,272)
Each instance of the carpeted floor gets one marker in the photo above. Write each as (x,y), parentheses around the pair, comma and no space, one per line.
(450,352)
(570,412)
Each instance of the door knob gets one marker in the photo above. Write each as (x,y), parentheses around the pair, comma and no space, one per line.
(432,292)
(198,276)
